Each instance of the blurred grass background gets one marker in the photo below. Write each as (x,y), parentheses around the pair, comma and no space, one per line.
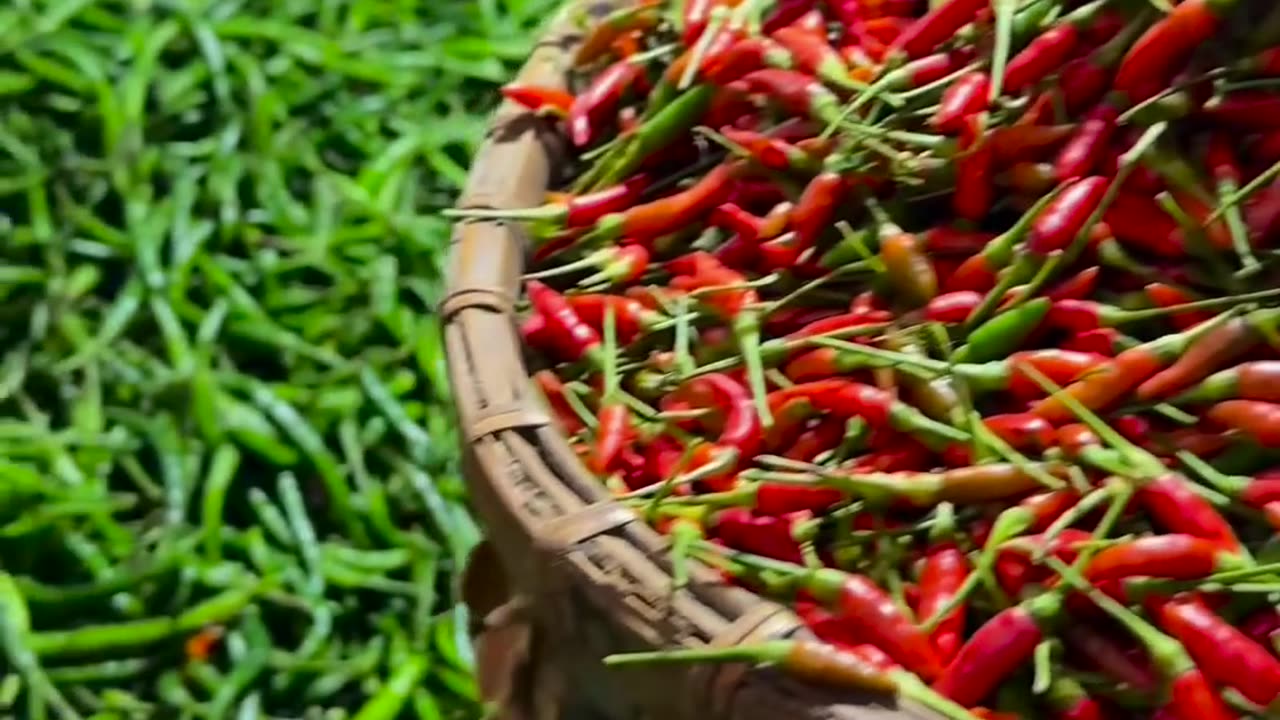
(226,446)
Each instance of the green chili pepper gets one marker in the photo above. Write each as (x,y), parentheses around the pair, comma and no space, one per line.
(1003,334)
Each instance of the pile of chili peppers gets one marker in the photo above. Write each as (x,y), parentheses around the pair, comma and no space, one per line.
(955,325)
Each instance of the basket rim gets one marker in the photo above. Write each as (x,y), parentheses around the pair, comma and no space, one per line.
(526,482)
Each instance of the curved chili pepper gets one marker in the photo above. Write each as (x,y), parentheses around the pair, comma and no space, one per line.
(999,648)
(817,205)
(572,337)
(1257,419)
(1225,655)
(1161,51)
(966,96)
(1174,556)
(739,424)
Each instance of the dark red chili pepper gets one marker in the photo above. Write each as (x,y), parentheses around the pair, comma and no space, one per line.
(1022,143)
(1140,223)
(952,240)
(999,648)
(798,14)
(939,25)
(1102,649)
(966,96)
(1257,419)
(765,535)
(975,190)
(1224,654)
(1174,556)
(1248,111)
(1152,61)
(1082,153)
(1070,701)
(1262,626)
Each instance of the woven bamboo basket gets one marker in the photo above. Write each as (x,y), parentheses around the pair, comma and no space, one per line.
(568,576)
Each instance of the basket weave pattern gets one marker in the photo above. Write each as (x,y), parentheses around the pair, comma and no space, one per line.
(577,576)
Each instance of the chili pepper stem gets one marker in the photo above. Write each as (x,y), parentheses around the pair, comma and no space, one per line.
(746,328)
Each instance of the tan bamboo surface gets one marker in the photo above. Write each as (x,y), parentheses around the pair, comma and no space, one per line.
(568,576)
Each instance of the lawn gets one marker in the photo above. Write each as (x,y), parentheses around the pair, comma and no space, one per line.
(229,474)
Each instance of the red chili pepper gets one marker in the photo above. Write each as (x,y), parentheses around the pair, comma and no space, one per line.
(794,92)
(1259,420)
(1140,223)
(1193,698)
(696,16)
(745,55)
(554,391)
(1225,655)
(1164,295)
(539,99)
(612,435)
(1085,149)
(1258,381)
(1174,556)
(1224,344)
(1022,143)
(673,212)
(1247,111)
(770,152)
(600,100)
(820,438)
(966,96)
(1174,506)
(1070,701)
(739,424)
(1262,626)
(769,536)
(631,317)
(799,14)
(943,575)
(1064,218)
(953,240)
(1102,649)
(1153,60)
(975,190)
(572,337)
(817,205)
(1116,377)
(872,614)
(939,25)
(812,55)
(1079,286)
(1040,57)
(1002,646)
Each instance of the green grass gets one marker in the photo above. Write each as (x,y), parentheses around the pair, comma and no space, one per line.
(222,389)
